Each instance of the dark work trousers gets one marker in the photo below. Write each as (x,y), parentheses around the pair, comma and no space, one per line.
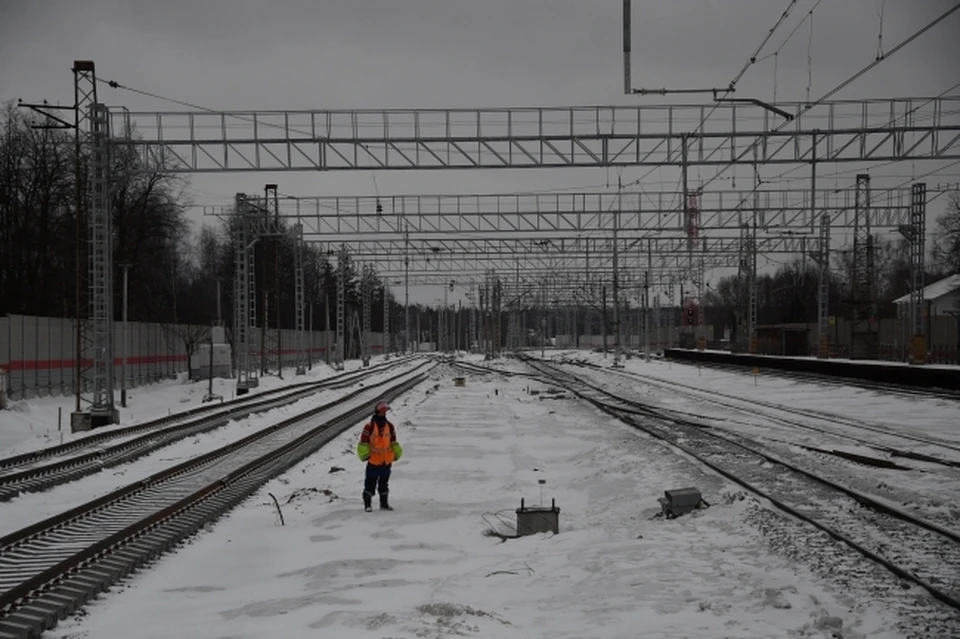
(377,480)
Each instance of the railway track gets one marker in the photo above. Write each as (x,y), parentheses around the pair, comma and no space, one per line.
(27,473)
(51,569)
(914,549)
(769,410)
(95,438)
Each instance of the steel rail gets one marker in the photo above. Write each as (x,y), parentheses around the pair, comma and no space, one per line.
(691,430)
(34,456)
(76,467)
(55,574)
(698,394)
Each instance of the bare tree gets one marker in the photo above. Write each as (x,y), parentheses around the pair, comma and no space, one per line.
(946,244)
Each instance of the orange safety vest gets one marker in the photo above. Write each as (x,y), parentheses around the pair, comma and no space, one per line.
(381,448)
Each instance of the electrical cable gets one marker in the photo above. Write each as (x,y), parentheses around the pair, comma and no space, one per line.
(732,84)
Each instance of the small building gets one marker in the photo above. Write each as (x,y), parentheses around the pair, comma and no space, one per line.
(221,356)
(940,297)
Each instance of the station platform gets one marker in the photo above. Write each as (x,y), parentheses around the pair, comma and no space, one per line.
(930,376)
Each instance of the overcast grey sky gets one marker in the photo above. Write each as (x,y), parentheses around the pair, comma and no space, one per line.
(338,54)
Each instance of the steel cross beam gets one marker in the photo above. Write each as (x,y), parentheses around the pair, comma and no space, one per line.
(442,214)
(479,263)
(572,277)
(576,136)
(450,250)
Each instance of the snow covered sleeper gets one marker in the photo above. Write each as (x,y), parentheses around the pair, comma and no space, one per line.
(379,448)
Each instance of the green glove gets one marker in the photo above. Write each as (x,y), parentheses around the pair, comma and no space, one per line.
(397,451)
(363,451)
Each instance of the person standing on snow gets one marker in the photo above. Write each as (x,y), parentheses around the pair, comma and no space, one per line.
(379,448)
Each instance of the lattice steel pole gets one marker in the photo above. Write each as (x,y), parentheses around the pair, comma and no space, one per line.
(408,346)
(918,213)
(656,319)
(862,342)
(473,319)
(646,315)
(823,293)
(341,303)
(497,309)
(616,284)
(386,321)
(367,292)
(102,410)
(743,285)
(244,303)
(752,345)
(701,288)
(299,299)
(85,96)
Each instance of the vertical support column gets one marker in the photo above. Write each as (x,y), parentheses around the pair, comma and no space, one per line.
(444,335)
(823,293)
(918,213)
(646,315)
(386,321)
(616,283)
(102,410)
(299,295)
(543,316)
(367,286)
(700,277)
(656,321)
(752,346)
(863,337)
(408,344)
(341,303)
(473,320)
(244,304)
(497,308)
(742,342)
(85,95)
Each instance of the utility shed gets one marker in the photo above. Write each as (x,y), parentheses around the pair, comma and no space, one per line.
(939,298)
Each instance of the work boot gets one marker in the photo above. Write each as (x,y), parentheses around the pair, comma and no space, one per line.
(384,505)
(367,502)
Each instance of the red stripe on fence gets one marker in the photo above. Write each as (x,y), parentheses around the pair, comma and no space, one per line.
(60,364)
(54,364)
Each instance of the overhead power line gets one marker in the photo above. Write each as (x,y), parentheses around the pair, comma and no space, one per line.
(843,85)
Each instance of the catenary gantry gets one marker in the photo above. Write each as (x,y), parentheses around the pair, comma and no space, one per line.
(591,136)
(583,136)
(583,212)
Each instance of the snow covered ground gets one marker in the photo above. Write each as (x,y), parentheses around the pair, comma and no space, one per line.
(36,423)
(938,418)
(429,570)
(871,421)
(29,508)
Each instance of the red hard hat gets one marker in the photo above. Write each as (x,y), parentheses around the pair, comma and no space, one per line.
(382,407)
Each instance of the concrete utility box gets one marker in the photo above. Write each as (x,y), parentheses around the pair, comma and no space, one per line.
(200,362)
(537,519)
(680,501)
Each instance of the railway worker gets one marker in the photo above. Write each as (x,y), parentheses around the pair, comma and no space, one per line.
(379,448)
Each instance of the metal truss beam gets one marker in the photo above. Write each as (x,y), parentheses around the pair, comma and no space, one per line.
(587,211)
(586,136)
(573,277)
(449,253)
